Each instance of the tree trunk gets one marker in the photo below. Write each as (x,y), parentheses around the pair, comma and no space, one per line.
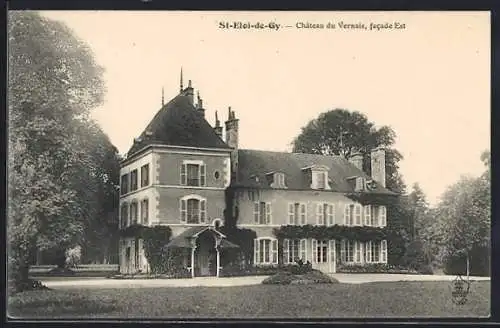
(468,265)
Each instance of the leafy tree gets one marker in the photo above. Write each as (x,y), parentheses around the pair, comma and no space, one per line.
(342,132)
(53,84)
(466,218)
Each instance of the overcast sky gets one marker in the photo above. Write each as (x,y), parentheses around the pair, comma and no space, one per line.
(430,81)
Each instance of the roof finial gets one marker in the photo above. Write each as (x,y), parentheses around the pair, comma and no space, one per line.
(162,96)
(189,84)
(229,113)
(217,122)
(182,87)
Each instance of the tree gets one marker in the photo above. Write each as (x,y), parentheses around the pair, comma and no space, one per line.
(53,84)
(341,132)
(465,212)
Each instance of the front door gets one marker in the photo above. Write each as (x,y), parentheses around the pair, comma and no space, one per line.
(324,255)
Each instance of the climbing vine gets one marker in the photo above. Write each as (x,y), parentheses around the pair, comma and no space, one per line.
(361,233)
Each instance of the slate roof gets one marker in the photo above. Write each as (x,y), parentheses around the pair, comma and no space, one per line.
(257,163)
(183,240)
(178,123)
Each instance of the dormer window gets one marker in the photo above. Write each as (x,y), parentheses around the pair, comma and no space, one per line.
(276,180)
(360,184)
(318,175)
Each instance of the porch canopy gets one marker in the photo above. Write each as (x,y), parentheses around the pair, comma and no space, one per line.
(184,240)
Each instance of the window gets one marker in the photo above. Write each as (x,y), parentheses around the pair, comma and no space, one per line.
(320,179)
(145,175)
(372,251)
(297,214)
(193,174)
(124,184)
(349,214)
(382,216)
(320,251)
(262,213)
(357,214)
(351,251)
(293,250)
(367,215)
(278,180)
(145,211)
(265,251)
(193,210)
(133,180)
(133,213)
(383,251)
(325,214)
(360,184)
(124,216)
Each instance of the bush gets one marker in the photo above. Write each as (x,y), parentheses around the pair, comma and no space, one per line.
(280,278)
(300,267)
(237,271)
(27,285)
(374,268)
(479,264)
(312,277)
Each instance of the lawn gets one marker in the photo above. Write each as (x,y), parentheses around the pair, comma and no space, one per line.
(387,299)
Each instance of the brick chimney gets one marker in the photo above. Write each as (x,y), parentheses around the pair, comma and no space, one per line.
(199,106)
(218,127)
(232,129)
(357,160)
(189,92)
(232,141)
(378,165)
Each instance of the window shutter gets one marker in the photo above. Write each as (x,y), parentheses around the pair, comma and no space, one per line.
(303,250)
(286,250)
(343,251)
(383,251)
(347,213)
(357,214)
(368,215)
(256,212)
(202,175)
(319,214)
(203,210)
(314,251)
(183,210)
(383,216)
(256,251)
(291,214)
(331,246)
(274,247)
(183,175)
(303,214)
(362,251)
(368,251)
(331,214)
(268,213)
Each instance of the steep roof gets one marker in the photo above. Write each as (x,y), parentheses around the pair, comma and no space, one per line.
(257,163)
(178,123)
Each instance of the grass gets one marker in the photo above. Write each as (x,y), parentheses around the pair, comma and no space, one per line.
(388,299)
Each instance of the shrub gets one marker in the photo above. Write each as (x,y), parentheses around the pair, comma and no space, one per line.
(300,267)
(374,268)
(280,278)
(319,277)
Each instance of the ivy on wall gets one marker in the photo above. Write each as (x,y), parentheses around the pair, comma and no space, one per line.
(361,233)
(243,238)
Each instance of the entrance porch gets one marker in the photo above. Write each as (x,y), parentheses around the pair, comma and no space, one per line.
(201,247)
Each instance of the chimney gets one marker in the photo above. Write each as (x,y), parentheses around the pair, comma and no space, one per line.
(218,127)
(378,165)
(357,160)
(232,141)
(199,106)
(189,92)
(232,130)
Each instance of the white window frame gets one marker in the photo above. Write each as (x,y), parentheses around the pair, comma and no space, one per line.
(382,216)
(279,180)
(358,215)
(202,172)
(293,219)
(272,250)
(367,215)
(357,249)
(144,218)
(124,220)
(183,210)
(256,213)
(383,251)
(136,212)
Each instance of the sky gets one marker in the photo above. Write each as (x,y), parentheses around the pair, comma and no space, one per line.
(428,81)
